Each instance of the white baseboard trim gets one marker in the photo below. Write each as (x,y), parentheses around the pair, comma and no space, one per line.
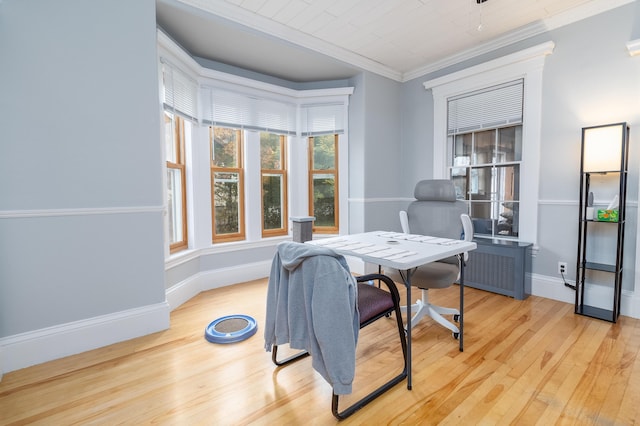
(551,288)
(184,290)
(554,288)
(630,304)
(203,281)
(39,346)
(35,347)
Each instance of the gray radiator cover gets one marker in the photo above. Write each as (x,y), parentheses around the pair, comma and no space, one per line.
(502,267)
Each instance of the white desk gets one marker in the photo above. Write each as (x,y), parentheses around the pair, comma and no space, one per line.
(404,252)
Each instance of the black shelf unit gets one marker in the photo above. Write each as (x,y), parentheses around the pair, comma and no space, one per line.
(589,260)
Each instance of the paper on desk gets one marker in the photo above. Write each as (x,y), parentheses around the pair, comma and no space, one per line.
(451,242)
(387,252)
(401,255)
(328,241)
(338,244)
(419,238)
(424,238)
(355,246)
(416,237)
(439,241)
(369,249)
(393,235)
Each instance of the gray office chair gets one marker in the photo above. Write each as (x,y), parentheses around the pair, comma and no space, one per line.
(436,212)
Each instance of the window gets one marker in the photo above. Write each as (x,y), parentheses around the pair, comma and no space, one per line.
(227,184)
(485,151)
(176,181)
(323,182)
(179,95)
(527,66)
(486,172)
(273,176)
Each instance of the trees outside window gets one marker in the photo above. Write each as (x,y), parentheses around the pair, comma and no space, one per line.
(273,175)
(323,183)
(227,184)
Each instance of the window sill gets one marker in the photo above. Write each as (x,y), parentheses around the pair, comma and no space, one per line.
(188,255)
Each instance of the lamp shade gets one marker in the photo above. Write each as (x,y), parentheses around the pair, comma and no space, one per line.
(602,147)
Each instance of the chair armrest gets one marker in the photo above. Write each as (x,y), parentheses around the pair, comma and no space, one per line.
(467,227)
(404,221)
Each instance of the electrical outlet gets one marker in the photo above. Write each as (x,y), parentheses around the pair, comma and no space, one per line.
(562,268)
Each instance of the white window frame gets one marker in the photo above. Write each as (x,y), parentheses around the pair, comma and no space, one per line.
(527,64)
(197,151)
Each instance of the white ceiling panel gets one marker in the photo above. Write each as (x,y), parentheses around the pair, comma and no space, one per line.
(394,38)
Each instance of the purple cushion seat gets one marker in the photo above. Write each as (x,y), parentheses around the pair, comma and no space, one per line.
(372,301)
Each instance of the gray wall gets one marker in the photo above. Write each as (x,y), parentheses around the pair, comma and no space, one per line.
(590,79)
(81,231)
(375,153)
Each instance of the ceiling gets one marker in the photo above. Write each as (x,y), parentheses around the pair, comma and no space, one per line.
(317,40)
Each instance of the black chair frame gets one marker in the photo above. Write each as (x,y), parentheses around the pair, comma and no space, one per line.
(374,316)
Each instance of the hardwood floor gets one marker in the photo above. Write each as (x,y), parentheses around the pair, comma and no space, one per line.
(525,362)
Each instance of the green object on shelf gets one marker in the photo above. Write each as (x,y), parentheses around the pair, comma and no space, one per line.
(608,215)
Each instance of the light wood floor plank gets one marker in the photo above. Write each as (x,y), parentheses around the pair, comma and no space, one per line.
(525,362)
(629,405)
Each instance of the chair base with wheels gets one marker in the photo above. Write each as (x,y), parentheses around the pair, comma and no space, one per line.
(373,303)
(423,308)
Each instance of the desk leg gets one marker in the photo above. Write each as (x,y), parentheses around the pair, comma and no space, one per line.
(407,283)
(462,265)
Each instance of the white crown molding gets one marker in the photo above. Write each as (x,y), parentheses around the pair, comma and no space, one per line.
(16,214)
(591,9)
(538,51)
(172,52)
(244,17)
(587,10)
(247,18)
(574,15)
(496,43)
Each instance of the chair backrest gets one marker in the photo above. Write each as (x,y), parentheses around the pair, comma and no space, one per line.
(436,211)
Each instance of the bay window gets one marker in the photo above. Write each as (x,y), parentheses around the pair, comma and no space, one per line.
(237,155)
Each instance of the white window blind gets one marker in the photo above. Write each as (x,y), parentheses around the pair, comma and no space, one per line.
(485,109)
(226,108)
(322,119)
(180,92)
